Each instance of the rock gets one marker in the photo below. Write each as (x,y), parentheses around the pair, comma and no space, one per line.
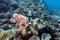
(47,18)
(40,26)
(5,27)
(2,16)
(45,23)
(45,36)
(12,20)
(3,21)
(4,6)
(41,1)
(34,37)
(33,30)
(11,38)
(57,33)
(14,6)
(32,7)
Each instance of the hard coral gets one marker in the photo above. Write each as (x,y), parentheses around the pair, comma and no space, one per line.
(3,35)
(4,5)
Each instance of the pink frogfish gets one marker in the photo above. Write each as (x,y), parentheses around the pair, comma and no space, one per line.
(20,18)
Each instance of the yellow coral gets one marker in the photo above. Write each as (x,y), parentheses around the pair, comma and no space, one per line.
(4,35)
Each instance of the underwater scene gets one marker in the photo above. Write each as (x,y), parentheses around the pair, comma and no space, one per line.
(29,20)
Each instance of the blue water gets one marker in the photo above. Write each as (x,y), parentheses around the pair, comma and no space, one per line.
(53,4)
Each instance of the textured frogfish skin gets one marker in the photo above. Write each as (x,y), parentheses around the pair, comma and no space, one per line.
(20,18)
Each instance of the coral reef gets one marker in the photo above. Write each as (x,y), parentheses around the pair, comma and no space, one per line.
(27,20)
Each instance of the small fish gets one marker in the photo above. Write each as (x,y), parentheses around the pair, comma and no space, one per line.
(20,18)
